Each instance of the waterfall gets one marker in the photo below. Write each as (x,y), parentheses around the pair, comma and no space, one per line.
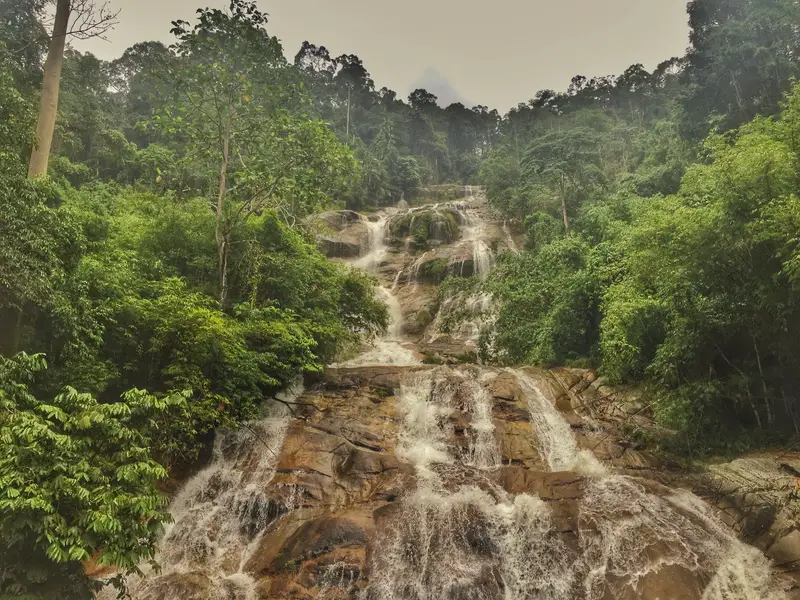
(376,252)
(388,350)
(474,234)
(472,309)
(422,482)
(554,437)
(453,539)
(628,532)
(219,516)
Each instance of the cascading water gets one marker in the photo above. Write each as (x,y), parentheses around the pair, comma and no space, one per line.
(377,244)
(472,309)
(388,350)
(474,234)
(461,522)
(458,535)
(628,532)
(219,516)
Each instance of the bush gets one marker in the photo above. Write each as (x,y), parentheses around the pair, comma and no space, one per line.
(77,480)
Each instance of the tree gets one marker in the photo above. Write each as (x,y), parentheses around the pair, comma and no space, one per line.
(39,241)
(743,55)
(77,481)
(232,83)
(564,162)
(25,38)
(89,21)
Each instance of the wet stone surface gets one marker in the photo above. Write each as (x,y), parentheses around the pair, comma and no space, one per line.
(396,479)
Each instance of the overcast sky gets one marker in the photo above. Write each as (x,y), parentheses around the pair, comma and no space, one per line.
(492,52)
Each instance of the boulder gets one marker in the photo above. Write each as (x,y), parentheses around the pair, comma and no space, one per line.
(317,537)
(348,242)
(333,247)
(339,219)
(547,486)
(787,549)
(505,387)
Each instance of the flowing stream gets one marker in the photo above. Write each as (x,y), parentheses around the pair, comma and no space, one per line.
(218,517)
(455,532)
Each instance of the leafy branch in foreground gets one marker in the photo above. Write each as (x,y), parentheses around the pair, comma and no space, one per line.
(77,482)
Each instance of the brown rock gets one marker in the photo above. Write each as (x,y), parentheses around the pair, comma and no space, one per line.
(786,549)
(318,537)
(548,486)
(505,387)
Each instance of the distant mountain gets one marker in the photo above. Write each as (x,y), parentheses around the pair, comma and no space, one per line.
(437,84)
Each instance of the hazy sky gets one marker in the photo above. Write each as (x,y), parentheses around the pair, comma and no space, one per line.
(492,52)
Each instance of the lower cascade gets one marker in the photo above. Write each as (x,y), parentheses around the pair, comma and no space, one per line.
(393,478)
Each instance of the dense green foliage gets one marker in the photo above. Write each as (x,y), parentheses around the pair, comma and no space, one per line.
(660,258)
(166,252)
(165,270)
(77,480)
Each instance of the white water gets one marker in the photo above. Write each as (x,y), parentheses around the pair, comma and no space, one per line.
(388,349)
(377,244)
(459,535)
(455,533)
(219,516)
(460,540)
(628,532)
(554,437)
(475,308)
(474,234)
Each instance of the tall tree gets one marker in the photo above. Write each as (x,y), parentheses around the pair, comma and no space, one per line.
(89,21)
(564,163)
(230,114)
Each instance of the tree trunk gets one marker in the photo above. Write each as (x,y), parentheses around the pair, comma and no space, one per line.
(347,135)
(739,99)
(48,105)
(222,233)
(763,381)
(564,207)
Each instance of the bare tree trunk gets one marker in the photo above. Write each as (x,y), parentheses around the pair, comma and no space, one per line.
(48,105)
(347,135)
(739,99)
(763,381)
(564,206)
(222,233)
(789,411)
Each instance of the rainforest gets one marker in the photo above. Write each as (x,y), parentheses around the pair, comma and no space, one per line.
(268,332)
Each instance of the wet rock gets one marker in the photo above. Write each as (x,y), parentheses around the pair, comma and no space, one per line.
(427,227)
(670,582)
(787,549)
(191,586)
(339,219)
(755,494)
(318,537)
(347,236)
(488,584)
(339,248)
(547,486)
(505,387)
(516,445)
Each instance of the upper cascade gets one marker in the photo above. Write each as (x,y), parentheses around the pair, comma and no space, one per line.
(411,251)
(392,478)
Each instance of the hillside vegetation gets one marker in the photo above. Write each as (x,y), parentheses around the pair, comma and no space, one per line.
(158,279)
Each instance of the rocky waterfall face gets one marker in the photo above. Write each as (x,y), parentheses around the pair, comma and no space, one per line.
(410,472)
